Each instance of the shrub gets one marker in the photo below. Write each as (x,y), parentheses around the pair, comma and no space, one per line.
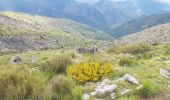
(136,49)
(63,88)
(144,56)
(88,71)
(149,89)
(19,84)
(126,62)
(58,64)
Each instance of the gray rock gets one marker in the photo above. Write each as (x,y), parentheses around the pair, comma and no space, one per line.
(86,97)
(164,73)
(15,60)
(130,79)
(125,91)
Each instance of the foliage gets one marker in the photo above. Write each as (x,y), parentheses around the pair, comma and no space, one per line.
(63,88)
(58,64)
(18,84)
(131,49)
(88,71)
(149,89)
(126,62)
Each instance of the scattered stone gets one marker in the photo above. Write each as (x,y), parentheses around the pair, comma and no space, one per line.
(113,95)
(15,60)
(125,91)
(87,50)
(164,73)
(130,79)
(139,87)
(34,59)
(86,97)
(104,87)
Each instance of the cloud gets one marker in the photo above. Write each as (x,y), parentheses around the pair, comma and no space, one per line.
(163,1)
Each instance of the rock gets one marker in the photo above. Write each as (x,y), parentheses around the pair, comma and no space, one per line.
(86,97)
(34,59)
(164,73)
(15,60)
(113,95)
(93,93)
(130,79)
(105,89)
(139,87)
(125,91)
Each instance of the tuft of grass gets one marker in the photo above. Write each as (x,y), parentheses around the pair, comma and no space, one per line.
(57,64)
(149,89)
(19,83)
(62,88)
(127,62)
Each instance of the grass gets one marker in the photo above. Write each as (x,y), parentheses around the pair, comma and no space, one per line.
(26,82)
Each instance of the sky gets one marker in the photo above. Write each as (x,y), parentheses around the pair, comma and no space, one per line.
(93,1)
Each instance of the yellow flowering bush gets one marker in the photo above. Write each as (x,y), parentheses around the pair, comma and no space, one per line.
(88,71)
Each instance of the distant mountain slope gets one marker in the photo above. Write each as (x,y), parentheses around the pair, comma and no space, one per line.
(154,35)
(98,15)
(19,31)
(139,24)
(43,23)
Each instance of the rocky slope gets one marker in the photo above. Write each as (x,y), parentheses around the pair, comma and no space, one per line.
(154,35)
(21,31)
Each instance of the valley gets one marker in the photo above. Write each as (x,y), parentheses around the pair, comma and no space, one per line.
(84,50)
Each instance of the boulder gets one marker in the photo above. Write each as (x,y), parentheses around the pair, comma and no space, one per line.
(15,60)
(164,73)
(106,89)
(130,79)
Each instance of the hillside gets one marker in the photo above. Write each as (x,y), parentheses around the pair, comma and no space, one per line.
(158,34)
(98,15)
(21,31)
(139,24)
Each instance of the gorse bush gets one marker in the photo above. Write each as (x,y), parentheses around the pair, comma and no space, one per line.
(89,71)
(19,84)
(58,64)
(63,88)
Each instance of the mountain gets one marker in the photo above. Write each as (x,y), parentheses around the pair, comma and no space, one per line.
(139,24)
(69,9)
(100,14)
(21,31)
(155,35)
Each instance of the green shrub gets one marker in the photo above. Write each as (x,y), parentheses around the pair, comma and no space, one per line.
(131,49)
(136,49)
(58,64)
(144,56)
(89,71)
(63,88)
(126,62)
(20,84)
(149,89)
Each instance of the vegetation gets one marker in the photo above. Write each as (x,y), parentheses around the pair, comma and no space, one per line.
(48,77)
(89,71)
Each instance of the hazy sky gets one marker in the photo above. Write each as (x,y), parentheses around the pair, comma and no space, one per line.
(93,1)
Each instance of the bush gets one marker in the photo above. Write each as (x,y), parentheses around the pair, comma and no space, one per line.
(136,49)
(88,71)
(19,84)
(126,62)
(144,56)
(58,64)
(149,89)
(63,88)
(131,49)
